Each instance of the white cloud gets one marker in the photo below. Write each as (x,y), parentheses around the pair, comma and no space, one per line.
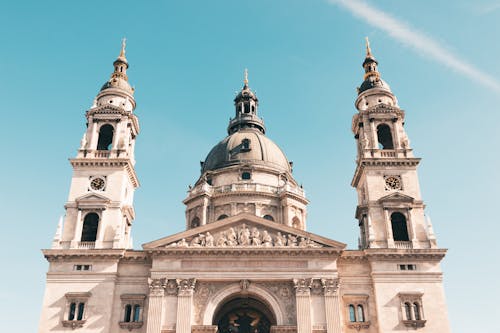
(423,44)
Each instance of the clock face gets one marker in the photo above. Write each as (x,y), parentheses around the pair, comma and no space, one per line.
(393,183)
(97,183)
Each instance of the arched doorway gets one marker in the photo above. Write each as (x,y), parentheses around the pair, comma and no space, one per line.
(244,315)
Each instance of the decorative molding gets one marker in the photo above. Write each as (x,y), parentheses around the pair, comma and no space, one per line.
(203,328)
(157,287)
(414,323)
(283,329)
(185,286)
(302,286)
(132,325)
(73,323)
(330,286)
(358,326)
(244,284)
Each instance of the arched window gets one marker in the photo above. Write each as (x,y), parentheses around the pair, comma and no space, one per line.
(105,137)
(81,308)
(268,217)
(416,311)
(352,313)
(137,313)
(246,108)
(195,222)
(361,313)
(399,228)
(245,145)
(221,217)
(128,312)
(384,137)
(408,311)
(72,311)
(89,230)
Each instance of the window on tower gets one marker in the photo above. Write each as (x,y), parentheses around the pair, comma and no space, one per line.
(412,309)
(357,311)
(133,305)
(195,222)
(384,136)
(105,137)
(90,225)
(399,227)
(75,315)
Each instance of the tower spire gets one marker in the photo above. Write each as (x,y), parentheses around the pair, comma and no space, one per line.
(245,81)
(368,49)
(124,44)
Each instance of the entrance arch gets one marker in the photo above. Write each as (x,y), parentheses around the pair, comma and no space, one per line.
(243,315)
(224,296)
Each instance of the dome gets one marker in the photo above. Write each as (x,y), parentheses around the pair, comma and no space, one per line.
(373,82)
(246,146)
(118,82)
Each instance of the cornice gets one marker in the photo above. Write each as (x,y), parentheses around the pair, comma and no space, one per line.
(63,255)
(382,162)
(304,253)
(108,163)
(405,254)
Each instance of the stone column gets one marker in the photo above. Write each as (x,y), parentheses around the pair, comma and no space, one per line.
(390,238)
(78,229)
(155,307)
(204,215)
(413,239)
(184,305)
(332,305)
(303,300)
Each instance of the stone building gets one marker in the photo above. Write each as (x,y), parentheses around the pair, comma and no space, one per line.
(245,263)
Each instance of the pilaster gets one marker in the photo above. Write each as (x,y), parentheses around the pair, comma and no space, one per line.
(184,305)
(155,308)
(303,301)
(332,305)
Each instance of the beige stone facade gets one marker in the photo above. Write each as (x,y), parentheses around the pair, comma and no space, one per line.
(245,263)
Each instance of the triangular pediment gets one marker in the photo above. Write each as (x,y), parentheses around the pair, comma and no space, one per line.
(92,201)
(244,230)
(397,197)
(92,197)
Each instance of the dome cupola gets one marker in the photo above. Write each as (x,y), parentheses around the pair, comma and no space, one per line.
(246,104)
(373,90)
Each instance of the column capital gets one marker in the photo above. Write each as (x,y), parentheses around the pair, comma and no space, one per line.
(302,286)
(157,286)
(330,286)
(185,286)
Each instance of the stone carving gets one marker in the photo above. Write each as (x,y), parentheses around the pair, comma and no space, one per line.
(283,293)
(245,237)
(157,287)
(302,286)
(244,285)
(330,286)
(171,287)
(203,291)
(185,286)
(316,287)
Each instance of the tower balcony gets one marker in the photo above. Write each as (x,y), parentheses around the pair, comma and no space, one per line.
(403,245)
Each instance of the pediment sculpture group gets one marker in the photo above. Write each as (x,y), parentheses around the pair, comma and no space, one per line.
(245,236)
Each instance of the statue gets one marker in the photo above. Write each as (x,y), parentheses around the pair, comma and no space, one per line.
(231,237)
(255,235)
(303,242)
(83,142)
(280,240)
(292,240)
(222,241)
(267,240)
(196,241)
(365,142)
(182,243)
(209,239)
(244,236)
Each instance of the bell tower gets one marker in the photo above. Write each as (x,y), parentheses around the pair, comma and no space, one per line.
(390,209)
(99,210)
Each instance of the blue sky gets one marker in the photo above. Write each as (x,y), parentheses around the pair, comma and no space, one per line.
(304,59)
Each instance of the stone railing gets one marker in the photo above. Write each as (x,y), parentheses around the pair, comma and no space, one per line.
(86,245)
(403,245)
(246,187)
(102,153)
(387,153)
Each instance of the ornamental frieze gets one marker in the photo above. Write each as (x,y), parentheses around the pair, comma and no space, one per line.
(245,236)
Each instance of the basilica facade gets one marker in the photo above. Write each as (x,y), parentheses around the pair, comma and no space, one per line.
(245,262)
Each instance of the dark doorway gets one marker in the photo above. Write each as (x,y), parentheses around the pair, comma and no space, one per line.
(244,315)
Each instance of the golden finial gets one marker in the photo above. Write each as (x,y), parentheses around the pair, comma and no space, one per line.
(245,81)
(122,51)
(368,49)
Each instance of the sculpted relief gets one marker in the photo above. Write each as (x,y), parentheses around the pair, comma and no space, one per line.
(245,236)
